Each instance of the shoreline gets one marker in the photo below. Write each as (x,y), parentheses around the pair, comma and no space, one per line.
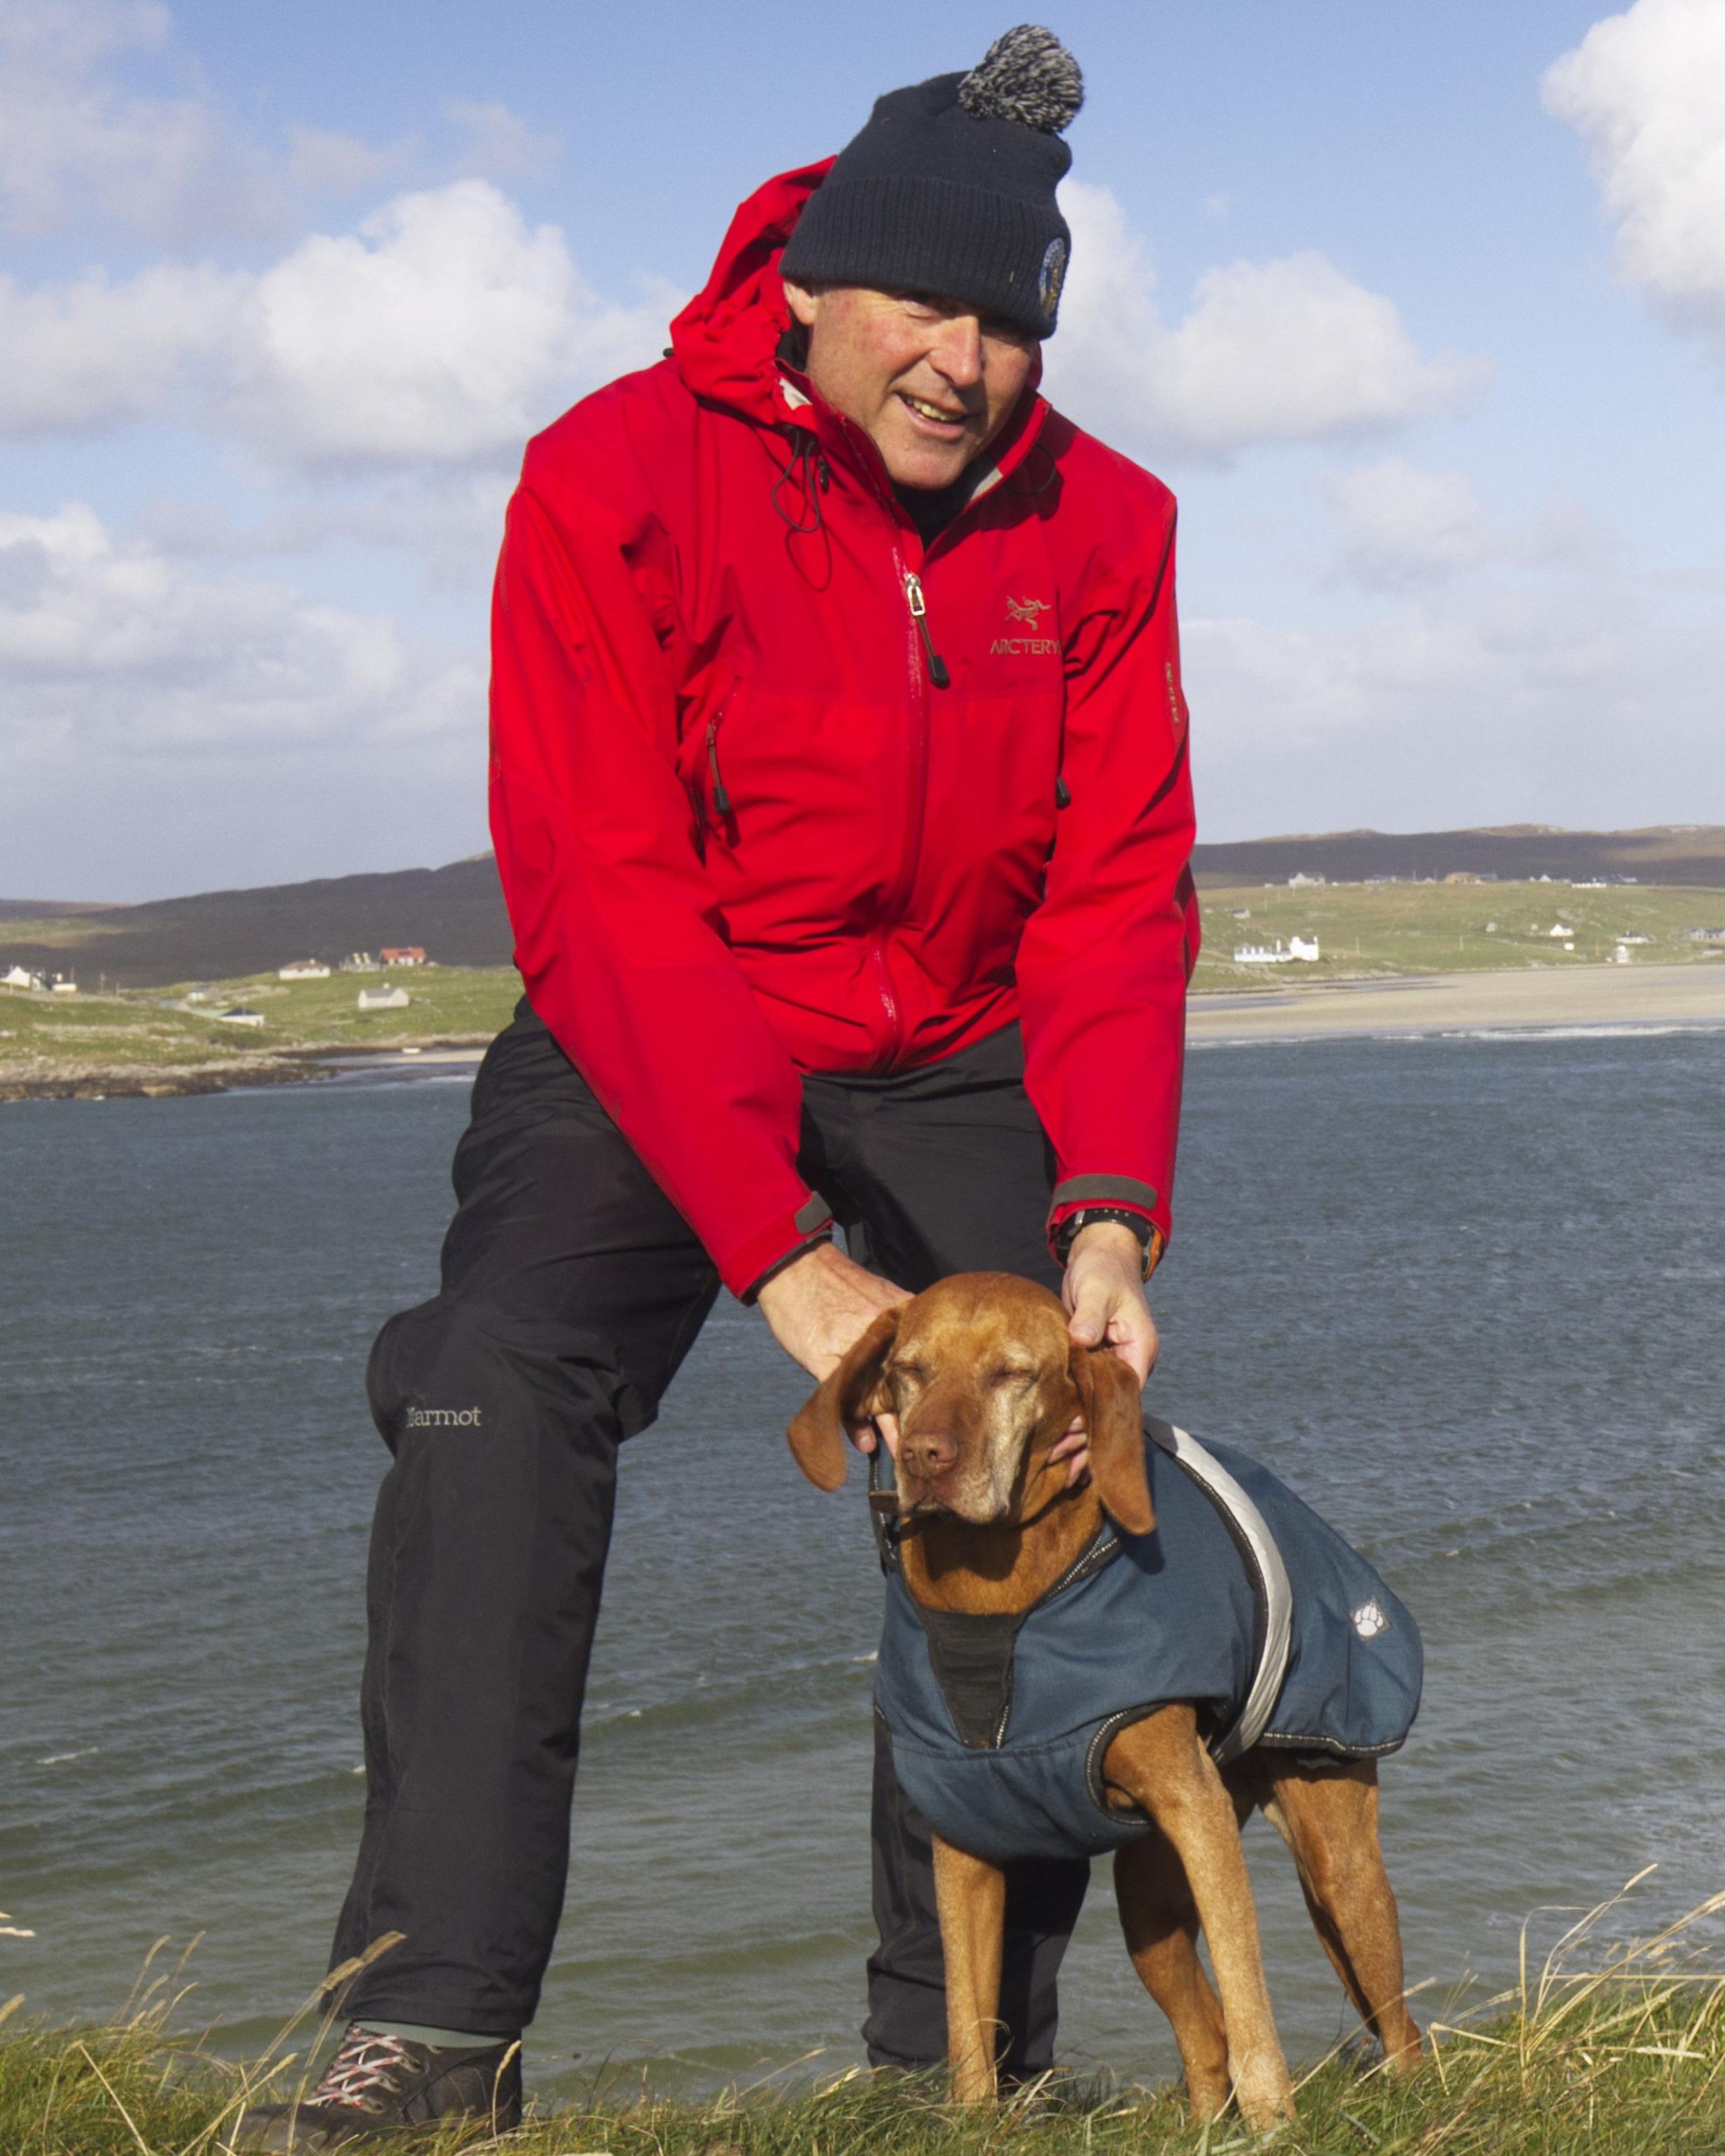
(1514,1000)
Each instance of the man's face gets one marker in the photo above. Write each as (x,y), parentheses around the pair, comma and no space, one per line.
(930,380)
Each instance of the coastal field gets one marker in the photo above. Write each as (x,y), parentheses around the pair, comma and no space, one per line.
(176,1039)
(1618,2063)
(1383,930)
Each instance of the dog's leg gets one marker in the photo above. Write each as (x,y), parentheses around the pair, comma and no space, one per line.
(1162,1763)
(1160,1920)
(971,1895)
(1328,1817)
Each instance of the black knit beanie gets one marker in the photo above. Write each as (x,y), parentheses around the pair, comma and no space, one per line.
(950,188)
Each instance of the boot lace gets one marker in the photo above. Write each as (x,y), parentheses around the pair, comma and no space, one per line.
(365,2070)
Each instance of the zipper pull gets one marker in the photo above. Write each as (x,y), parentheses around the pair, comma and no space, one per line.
(721,799)
(919,613)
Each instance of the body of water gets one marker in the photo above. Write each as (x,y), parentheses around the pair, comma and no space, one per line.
(1466,1295)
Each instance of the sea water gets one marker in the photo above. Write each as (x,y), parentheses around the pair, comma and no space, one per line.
(1465,1294)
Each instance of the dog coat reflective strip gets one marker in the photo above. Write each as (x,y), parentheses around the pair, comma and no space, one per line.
(999,1725)
(1257,1546)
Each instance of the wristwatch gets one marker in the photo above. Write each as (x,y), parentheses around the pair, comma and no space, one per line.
(1087,1217)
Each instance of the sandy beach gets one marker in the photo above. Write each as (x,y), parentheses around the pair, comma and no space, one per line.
(1525,998)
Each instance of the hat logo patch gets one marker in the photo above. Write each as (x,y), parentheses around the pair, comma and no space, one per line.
(1370,1619)
(1051,276)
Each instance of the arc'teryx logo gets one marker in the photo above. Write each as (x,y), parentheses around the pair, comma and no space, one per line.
(442,1418)
(1028,612)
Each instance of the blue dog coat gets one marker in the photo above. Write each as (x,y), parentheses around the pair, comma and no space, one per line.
(1241,1600)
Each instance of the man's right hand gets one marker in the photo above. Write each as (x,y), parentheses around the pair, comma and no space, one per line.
(822,1304)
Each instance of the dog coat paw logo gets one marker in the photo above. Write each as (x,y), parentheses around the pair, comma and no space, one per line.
(1370,1619)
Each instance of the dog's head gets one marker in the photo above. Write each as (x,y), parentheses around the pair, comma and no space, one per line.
(984,1379)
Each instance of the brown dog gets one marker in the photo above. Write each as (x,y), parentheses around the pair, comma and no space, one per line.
(984,1379)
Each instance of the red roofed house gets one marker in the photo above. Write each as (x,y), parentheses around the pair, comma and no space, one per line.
(403,954)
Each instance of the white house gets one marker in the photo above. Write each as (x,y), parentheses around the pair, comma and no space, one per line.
(302,969)
(62,987)
(1260,954)
(239,1015)
(384,999)
(19,978)
(1306,947)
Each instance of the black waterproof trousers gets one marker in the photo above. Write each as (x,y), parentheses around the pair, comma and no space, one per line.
(572,1291)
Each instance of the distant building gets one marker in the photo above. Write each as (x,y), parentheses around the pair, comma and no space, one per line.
(1694,935)
(18,978)
(239,1015)
(1461,876)
(303,969)
(382,999)
(1560,929)
(1304,947)
(1633,939)
(62,986)
(1300,881)
(361,962)
(403,954)
(1260,954)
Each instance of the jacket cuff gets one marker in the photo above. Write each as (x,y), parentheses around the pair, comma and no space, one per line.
(746,1269)
(1123,1193)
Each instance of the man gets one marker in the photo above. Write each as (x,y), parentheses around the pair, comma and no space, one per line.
(840,800)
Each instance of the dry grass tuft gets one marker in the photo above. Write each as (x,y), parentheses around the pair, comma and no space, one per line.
(1600,2051)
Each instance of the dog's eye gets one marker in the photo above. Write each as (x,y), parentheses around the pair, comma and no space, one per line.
(913,1371)
(1008,1375)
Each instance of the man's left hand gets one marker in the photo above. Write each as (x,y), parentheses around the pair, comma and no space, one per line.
(1104,1290)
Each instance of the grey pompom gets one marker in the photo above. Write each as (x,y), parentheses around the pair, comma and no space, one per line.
(1027,75)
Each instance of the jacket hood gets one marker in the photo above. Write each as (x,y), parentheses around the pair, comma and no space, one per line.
(726,341)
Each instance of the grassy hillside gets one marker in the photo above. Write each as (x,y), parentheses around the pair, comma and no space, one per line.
(1373,930)
(137,1043)
(149,1040)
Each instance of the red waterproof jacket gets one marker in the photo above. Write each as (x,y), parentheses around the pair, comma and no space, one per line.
(748,826)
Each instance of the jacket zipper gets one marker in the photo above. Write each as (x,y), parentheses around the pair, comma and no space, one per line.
(721,799)
(897,897)
(919,613)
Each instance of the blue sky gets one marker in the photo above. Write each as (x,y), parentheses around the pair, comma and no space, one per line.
(1421,312)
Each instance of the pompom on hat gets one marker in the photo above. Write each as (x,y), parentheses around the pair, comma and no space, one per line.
(950,188)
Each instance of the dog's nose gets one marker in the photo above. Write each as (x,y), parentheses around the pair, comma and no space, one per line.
(928,1453)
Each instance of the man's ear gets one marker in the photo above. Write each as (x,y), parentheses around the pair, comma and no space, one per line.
(1108,1394)
(816,1430)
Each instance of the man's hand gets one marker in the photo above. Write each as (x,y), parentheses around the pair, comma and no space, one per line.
(821,1305)
(1104,1290)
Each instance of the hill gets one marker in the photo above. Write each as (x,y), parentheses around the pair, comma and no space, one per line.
(456,912)
(1664,852)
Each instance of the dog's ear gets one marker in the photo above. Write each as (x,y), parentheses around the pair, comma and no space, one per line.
(1108,1393)
(816,1430)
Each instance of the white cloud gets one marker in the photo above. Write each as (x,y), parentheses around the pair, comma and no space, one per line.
(108,650)
(1578,705)
(103,353)
(1286,350)
(1400,526)
(499,144)
(76,141)
(162,731)
(444,330)
(1645,89)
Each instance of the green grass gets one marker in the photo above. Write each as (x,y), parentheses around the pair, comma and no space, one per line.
(1380,929)
(1626,2058)
(134,1039)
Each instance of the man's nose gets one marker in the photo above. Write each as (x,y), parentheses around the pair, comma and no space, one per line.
(927,1452)
(959,353)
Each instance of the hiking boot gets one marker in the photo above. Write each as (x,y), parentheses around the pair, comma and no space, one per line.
(377,2087)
